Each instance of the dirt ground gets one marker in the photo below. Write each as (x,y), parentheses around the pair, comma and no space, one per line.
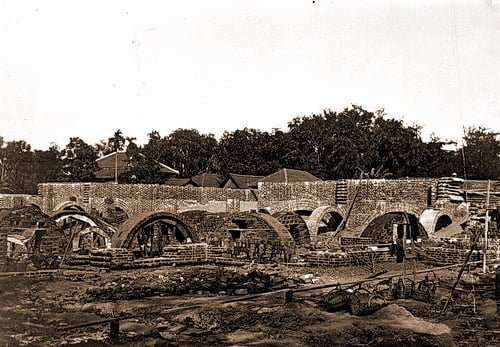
(44,312)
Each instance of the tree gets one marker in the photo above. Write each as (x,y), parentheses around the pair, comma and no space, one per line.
(117,142)
(47,165)
(482,154)
(437,162)
(17,168)
(78,161)
(190,152)
(248,151)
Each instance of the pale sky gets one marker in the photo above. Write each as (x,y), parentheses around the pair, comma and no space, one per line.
(87,68)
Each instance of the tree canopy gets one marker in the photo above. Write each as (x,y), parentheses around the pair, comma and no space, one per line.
(330,145)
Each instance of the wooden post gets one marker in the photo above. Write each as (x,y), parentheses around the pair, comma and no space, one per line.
(287,297)
(114,329)
(486,226)
(497,284)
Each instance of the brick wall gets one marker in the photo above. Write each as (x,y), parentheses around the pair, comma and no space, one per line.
(135,198)
(375,197)
(447,256)
(3,245)
(47,240)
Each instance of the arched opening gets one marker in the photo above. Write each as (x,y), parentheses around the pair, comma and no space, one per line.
(90,238)
(264,210)
(380,229)
(114,215)
(325,220)
(442,222)
(73,207)
(148,234)
(330,222)
(256,236)
(86,231)
(303,212)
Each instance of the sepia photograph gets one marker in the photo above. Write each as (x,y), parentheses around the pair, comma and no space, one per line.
(250,173)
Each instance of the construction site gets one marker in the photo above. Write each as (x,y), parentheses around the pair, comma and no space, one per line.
(366,262)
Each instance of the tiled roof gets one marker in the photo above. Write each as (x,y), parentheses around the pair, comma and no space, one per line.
(288,176)
(207,180)
(179,182)
(240,181)
(119,161)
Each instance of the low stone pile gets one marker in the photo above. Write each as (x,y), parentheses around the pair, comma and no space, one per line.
(219,281)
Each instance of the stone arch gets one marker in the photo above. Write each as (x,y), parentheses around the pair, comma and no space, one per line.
(68,205)
(296,226)
(124,237)
(433,220)
(379,228)
(317,219)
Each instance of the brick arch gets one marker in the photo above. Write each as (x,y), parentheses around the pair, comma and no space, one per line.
(305,204)
(77,237)
(61,206)
(124,205)
(85,217)
(318,215)
(393,208)
(37,205)
(429,219)
(412,214)
(296,226)
(280,230)
(127,231)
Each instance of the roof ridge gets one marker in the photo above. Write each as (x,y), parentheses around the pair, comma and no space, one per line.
(110,154)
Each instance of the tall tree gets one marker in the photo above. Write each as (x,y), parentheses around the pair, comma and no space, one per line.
(47,165)
(17,168)
(482,153)
(247,151)
(78,161)
(190,152)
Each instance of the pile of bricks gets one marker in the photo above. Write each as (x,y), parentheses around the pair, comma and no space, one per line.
(337,259)
(194,251)
(259,250)
(109,258)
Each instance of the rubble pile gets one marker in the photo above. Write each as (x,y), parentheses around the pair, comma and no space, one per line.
(219,281)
